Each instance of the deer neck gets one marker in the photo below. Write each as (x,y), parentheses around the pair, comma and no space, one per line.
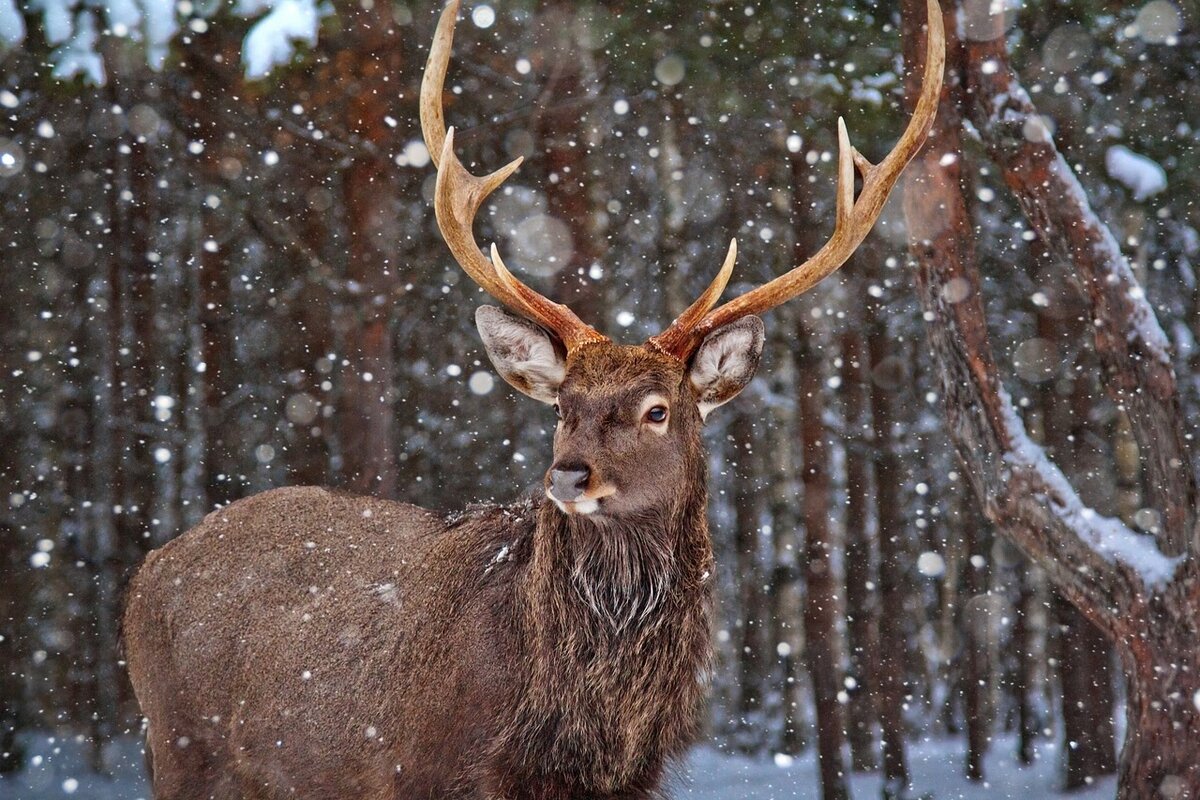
(614,580)
(617,615)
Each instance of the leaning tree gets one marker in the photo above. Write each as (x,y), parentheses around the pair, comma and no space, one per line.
(1140,586)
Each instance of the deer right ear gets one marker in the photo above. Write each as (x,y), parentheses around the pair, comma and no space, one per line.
(525,355)
(725,363)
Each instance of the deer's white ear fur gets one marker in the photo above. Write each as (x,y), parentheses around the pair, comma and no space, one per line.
(726,362)
(524,354)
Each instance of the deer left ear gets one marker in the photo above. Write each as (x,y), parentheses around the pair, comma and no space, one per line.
(524,354)
(725,363)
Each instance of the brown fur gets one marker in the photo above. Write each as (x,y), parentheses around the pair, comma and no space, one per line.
(306,643)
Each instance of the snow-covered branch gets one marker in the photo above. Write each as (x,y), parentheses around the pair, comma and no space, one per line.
(1103,566)
(1133,349)
(75,29)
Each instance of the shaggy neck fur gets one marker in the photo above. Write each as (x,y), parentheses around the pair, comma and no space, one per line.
(621,574)
(617,616)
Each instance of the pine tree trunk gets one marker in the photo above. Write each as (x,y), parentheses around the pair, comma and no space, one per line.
(13,711)
(862,611)
(1024,642)
(786,592)
(891,685)
(821,604)
(751,599)
(1161,756)
(977,622)
(1084,675)
(367,403)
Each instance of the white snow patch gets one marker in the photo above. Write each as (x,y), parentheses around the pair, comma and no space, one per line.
(124,16)
(705,774)
(271,42)
(12,24)
(56,19)
(936,765)
(78,56)
(1141,175)
(161,27)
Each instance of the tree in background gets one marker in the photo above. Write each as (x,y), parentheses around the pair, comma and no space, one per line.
(1140,585)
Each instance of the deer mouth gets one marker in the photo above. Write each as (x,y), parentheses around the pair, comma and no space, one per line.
(586,504)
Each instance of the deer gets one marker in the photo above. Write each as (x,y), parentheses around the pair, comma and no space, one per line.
(308,643)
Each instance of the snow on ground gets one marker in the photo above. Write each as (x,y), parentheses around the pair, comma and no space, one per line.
(936,766)
(57,769)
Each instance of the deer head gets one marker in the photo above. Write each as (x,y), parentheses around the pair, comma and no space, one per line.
(630,416)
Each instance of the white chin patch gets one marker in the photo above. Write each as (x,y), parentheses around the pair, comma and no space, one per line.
(584,506)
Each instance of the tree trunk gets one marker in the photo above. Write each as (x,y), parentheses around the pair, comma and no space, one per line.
(977,622)
(751,599)
(1144,597)
(566,133)
(1161,756)
(366,409)
(821,604)
(13,610)
(1024,642)
(1085,680)
(786,592)
(862,611)
(891,684)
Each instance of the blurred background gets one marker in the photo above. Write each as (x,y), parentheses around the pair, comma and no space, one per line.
(221,274)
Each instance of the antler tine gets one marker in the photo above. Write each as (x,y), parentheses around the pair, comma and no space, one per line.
(458,196)
(855,217)
(667,340)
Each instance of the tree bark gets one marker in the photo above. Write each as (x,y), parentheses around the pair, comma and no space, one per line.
(862,610)
(891,682)
(1144,600)
(1084,655)
(821,606)
(1163,707)
(1024,642)
(1134,352)
(751,634)
(367,405)
(786,591)
(1085,680)
(976,624)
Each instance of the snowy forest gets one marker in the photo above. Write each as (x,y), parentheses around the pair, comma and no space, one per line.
(954,515)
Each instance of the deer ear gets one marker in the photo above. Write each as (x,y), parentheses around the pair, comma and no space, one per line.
(524,354)
(725,362)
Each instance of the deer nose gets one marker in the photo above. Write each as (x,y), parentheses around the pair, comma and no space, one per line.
(568,483)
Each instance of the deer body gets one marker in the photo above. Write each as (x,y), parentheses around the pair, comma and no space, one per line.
(310,644)
(346,647)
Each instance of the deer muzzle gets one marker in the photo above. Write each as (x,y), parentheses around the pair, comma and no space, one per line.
(576,489)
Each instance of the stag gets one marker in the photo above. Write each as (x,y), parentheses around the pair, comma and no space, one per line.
(308,643)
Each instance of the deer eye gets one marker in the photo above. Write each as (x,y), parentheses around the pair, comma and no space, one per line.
(657,414)
(557,411)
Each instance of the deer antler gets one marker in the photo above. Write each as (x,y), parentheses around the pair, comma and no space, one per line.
(459,194)
(855,217)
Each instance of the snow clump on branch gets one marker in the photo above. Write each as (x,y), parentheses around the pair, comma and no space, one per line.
(75,27)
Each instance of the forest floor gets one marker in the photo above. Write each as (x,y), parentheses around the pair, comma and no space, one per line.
(57,769)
